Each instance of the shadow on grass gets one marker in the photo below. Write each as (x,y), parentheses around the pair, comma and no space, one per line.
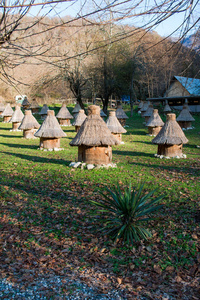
(3,128)
(132,153)
(20,146)
(11,136)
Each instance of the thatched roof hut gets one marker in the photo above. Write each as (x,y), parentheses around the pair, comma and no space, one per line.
(64,116)
(121,116)
(76,109)
(34,106)
(43,112)
(2,107)
(166,108)
(114,126)
(154,123)
(80,118)
(144,107)
(29,125)
(50,132)
(25,103)
(170,139)
(140,105)
(185,119)
(148,113)
(102,114)
(16,118)
(94,139)
(7,113)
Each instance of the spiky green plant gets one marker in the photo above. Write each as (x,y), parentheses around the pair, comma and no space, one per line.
(125,215)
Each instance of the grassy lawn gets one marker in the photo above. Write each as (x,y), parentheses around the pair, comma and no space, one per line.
(47,221)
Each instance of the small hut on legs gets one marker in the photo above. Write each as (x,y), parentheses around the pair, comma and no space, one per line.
(29,125)
(94,139)
(147,114)
(16,118)
(76,110)
(64,116)
(121,116)
(170,139)
(7,113)
(114,126)
(25,104)
(34,107)
(80,118)
(102,114)
(43,112)
(2,107)
(155,123)
(144,108)
(50,132)
(166,108)
(140,106)
(185,119)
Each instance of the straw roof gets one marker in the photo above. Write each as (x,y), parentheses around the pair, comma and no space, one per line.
(120,114)
(2,100)
(17,115)
(76,108)
(29,121)
(113,124)
(64,113)
(94,131)
(155,120)
(102,113)
(149,111)
(34,104)
(25,102)
(50,128)
(145,106)
(185,115)
(8,111)
(80,118)
(171,133)
(44,110)
(166,107)
(2,106)
(140,104)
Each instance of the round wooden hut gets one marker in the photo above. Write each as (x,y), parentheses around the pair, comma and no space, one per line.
(64,116)
(94,139)
(148,113)
(121,116)
(34,107)
(80,118)
(25,104)
(16,118)
(170,139)
(76,110)
(7,113)
(154,123)
(144,108)
(114,126)
(29,125)
(50,132)
(166,108)
(43,112)
(185,118)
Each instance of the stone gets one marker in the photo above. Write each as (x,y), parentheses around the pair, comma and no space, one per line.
(90,166)
(72,164)
(76,165)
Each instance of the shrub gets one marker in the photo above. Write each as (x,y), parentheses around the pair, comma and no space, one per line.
(125,215)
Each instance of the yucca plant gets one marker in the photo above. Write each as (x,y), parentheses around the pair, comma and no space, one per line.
(125,214)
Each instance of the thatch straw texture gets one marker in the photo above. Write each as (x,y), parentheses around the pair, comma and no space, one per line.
(50,128)
(80,118)
(94,131)
(140,104)
(171,133)
(144,107)
(64,113)
(25,102)
(17,115)
(102,113)
(8,111)
(76,108)
(155,120)
(44,110)
(120,114)
(113,124)
(2,107)
(34,104)
(149,111)
(166,108)
(185,115)
(29,121)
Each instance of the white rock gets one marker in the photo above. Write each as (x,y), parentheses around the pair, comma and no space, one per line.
(155,154)
(72,164)
(167,157)
(161,156)
(83,166)
(122,143)
(90,166)
(50,149)
(76,165)
(177,156)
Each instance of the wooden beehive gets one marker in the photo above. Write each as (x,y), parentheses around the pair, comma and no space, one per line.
(115,126)
(64,116)
(155,123)
(29,125)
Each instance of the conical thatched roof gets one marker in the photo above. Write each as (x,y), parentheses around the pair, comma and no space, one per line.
(2,106)
(155,120)
(185,115)
(29,121)
(171,133)
(166,107)
(140,104)
(113,124)
(50,128)
(120,114)
(149,111)
(94,131)
(8,111)
(80,118)
(25,102)
(34,104)
(76,108)
(64,113)
(44,110)
(2,100)
(145,106)
(17,115)
(102,113)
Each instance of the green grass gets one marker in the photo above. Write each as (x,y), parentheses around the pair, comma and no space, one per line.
(45,205)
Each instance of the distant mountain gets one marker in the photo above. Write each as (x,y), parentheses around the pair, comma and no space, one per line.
(193,41)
